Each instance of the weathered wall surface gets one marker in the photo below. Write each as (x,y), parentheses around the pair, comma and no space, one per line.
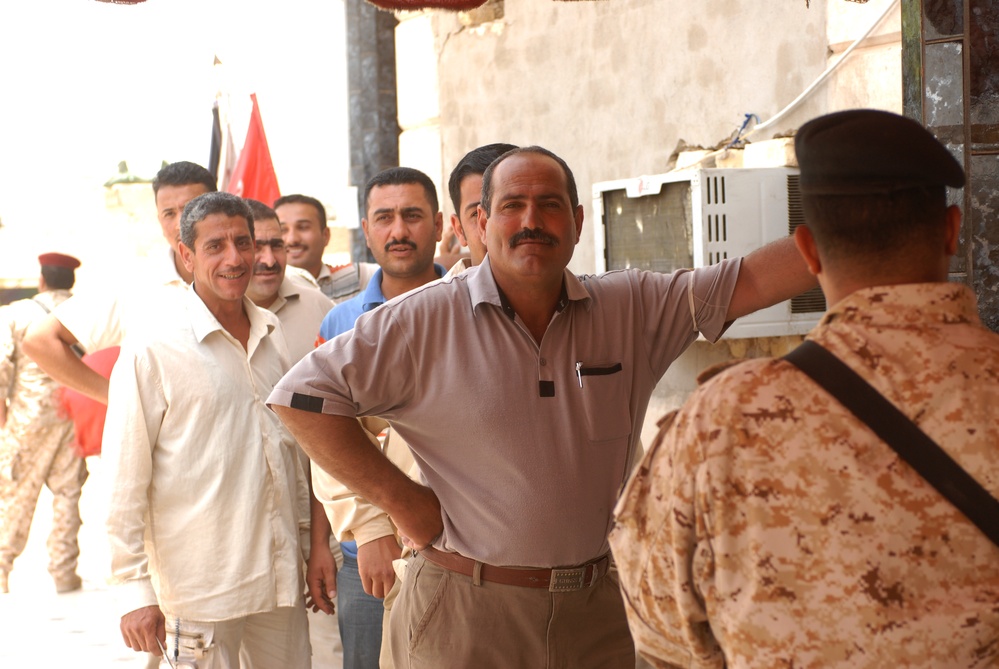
(614,86)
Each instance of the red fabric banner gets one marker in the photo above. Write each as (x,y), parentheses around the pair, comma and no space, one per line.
(254,175)
(87,414)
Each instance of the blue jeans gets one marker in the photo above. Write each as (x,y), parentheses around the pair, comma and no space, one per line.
(360,618)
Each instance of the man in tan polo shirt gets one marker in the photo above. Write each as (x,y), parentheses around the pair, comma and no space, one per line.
(521,390)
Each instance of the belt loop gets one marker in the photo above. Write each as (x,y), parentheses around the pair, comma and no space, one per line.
(477,573)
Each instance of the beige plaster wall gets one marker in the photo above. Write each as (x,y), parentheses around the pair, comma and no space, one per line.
(613,86)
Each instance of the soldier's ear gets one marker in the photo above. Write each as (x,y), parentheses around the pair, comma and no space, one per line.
(805,243)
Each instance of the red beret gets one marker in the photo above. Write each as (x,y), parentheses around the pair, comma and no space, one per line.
(58,260)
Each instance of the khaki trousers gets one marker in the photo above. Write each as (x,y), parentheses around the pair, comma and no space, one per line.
(442,619)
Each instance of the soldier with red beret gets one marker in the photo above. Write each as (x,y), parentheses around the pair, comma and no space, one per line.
(35,440)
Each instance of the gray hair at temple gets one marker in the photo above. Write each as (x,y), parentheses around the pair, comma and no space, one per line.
(207,204)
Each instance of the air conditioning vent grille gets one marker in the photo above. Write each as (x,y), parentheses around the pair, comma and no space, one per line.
(795,210)
(701,217)
(813,301)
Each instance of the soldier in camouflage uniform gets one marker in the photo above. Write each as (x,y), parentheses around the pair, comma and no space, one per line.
(35,441)
(767,526)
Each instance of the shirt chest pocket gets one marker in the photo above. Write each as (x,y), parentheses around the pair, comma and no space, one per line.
(605,389)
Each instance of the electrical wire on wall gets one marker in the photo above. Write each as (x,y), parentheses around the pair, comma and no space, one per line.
(744,133)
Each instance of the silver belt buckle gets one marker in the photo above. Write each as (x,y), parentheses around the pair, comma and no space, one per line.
(567,580)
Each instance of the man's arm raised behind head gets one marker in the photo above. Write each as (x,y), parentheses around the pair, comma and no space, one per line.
(768,276)
(49,343)
(339,445)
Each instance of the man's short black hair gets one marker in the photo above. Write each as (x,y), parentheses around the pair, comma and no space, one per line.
(487,177)
(184,173)
(475,162)
(260,211)
(875,227)
(400,176)
(207,204)
(58,277)
(298,198)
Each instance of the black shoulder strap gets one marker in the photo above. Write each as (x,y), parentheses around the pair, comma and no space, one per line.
(905,438)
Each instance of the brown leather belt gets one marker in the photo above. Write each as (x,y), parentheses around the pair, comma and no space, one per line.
(554,580)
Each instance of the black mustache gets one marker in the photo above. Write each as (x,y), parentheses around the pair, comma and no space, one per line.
(405,242)
(260,268)
(527,234)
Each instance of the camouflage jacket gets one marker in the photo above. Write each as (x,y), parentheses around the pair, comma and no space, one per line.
(766,527)
(31,396)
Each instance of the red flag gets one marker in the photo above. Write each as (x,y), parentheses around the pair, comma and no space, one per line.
(254,175)
(87,414)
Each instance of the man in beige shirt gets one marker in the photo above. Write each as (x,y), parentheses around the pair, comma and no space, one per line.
(306,234)
(205,484)
(552,374)
(288,293)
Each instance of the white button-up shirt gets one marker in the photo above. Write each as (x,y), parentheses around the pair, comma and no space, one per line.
(203,478)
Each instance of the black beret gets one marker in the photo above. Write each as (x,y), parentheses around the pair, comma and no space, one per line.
(871,151)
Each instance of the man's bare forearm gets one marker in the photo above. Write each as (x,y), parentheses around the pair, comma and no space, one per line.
(319,524)
(339,446)
(768,276)
(49,343)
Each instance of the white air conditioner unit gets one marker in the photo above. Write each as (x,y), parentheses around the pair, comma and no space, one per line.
(696,218)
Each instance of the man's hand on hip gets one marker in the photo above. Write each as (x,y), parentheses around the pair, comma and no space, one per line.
(420,522)
(374,563)
(141,628)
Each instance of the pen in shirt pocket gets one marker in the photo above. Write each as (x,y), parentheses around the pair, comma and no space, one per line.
(602,370)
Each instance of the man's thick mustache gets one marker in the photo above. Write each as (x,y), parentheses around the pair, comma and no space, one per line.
(527,234)
(260,268)
(405,242)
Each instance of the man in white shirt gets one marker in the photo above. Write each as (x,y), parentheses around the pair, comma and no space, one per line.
(204,483)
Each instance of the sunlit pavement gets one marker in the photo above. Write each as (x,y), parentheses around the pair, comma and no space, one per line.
(80,629)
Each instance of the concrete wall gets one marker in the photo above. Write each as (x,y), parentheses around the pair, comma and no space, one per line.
(614,86)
